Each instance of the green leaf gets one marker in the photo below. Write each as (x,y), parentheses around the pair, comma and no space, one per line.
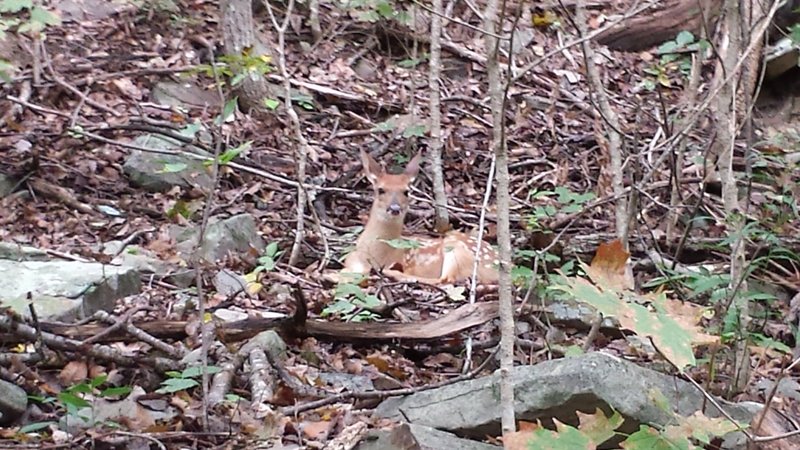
(385,9)
(272,249)
(233,398)
(305,101)
(414,131)
(271,103)
(764,341)
(70,399)
(266,263)
(81,388)
(369,301)
(668,47)
(230,154)
(227,111)
(197,371)
(44,17)
(338,307)
(684,38)
(36,426)
(648,438)
(116,391)
(566,438)
(402,243)
(7,69)
(12,6)
(98,380)
(795,33)
(238,78)
(669,337)
(409,63)
(172,385)
(345,290)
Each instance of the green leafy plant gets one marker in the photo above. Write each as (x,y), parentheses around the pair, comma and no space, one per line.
(595,429)
(674,58)
(565,202)
(377,10)
(24,17)
(349,301)
(230,154)
(184,380)
(236,68)
(794,33)
(408,126)
(268,261)
(77,397)
(402,243)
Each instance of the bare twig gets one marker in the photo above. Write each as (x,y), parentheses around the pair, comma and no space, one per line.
(301,148)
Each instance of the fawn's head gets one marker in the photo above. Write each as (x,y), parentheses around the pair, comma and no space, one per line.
(391,190)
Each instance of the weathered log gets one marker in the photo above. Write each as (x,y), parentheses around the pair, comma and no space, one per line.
(455,321)
(648,30)
(674,16)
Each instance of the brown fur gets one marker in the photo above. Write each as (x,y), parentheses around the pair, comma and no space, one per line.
(442,260)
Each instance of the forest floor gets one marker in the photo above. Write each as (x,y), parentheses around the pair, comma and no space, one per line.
(98,74)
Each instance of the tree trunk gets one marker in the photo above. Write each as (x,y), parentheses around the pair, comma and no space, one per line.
(442,220)
(238,36)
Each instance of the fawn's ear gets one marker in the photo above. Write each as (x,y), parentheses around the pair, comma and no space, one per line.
(412,169)
(371,167)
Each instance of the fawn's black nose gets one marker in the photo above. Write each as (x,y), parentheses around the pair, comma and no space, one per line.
(394,209)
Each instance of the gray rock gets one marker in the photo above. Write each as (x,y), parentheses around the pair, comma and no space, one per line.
(89,10)
(229,283)
(7,184)
(64,290)
(234,235)
(17,252)
(230,315)
(556,389)
(158,172)
(183,95)
(13,402)
(410,436)
(138,258)
(787,387)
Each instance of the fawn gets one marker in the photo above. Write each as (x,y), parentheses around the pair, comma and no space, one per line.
(435,260)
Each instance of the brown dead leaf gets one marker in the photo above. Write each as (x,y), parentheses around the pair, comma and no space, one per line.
(74,372)
(519,440)
(317,431)
(379,362)
(608,267)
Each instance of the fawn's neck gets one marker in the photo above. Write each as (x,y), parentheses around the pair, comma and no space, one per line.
(377,229)
(371,241)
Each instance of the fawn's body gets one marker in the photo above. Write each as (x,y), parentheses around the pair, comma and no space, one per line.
(435,261)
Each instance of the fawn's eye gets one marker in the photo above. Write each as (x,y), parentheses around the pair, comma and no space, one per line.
(381,191)
(405,192)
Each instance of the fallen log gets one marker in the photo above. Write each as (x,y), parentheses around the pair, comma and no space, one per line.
(298,325)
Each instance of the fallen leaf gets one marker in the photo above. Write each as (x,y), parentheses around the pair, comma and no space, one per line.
(74,372)
(608,267)
(316,430)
